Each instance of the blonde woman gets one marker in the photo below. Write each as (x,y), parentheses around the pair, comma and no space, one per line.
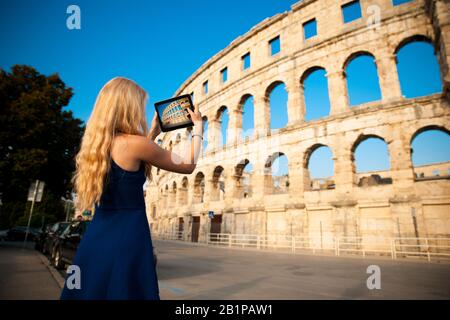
(115,256)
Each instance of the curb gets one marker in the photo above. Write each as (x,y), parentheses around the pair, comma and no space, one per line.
(55,274)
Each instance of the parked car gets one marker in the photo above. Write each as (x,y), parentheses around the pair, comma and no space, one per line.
(49,234)
(67,243)
(18,234)
(3,235)
(52,236)
(39,243)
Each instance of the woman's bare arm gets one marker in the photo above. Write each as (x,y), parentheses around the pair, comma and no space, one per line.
(147,150)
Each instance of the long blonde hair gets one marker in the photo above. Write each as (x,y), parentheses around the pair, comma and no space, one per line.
(119,108)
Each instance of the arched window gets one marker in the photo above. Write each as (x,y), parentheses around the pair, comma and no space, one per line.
(430,149)
(248,123)
(218,187)
(418,68)
(315,93)
(166,196)
(277,174)
(243,174)
(278,103)
(362,79)
(183,192)
(174,194)
(371,156)
(320,168)
(205,133)
(184,182)
(189,134)
(223,118)
(199,187)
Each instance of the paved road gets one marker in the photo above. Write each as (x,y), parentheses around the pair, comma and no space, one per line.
(24,275)
(186,271)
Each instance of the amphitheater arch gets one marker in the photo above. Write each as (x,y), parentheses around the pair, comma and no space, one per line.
(324,180)
(199,187)
(371,160)
(276,95)
(276,182)
(166,196)
(184,182)
(361,75)
(221,127)
(418,77)
(430,153)
(243,179)
(183,191)
(218,184)
(427,128)
(173,195)
(314,90)
(205,134)
(246,119)
(412,38)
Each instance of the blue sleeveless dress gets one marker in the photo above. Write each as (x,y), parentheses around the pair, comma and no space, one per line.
(115,255)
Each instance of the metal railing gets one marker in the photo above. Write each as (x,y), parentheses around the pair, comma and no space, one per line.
(392,247)
(428,247)
(174,235)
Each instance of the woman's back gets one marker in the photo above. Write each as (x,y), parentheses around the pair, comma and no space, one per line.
(123,188)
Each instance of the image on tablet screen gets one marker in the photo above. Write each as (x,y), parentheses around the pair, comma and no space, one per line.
(174,113)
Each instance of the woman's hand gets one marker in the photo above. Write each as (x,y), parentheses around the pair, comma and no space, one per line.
(155,129)
(196,117)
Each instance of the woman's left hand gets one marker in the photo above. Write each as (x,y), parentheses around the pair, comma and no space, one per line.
(155,129)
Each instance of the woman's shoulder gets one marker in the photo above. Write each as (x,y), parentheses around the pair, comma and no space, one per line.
(129,139)
(126,150)
(132,143)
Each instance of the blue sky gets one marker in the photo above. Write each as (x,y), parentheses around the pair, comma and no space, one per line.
(157,43)
(160,43)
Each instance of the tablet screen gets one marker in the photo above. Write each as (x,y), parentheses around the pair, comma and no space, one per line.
(173,114)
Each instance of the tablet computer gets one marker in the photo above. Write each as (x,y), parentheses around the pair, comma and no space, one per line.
(173,114)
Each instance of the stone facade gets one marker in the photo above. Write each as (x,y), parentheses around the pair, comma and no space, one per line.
(404,201)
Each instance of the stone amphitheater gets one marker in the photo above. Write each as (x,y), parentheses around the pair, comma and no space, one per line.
(404,201)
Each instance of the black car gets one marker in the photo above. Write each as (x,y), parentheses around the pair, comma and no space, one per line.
(39,243)
(49,236)
(18,234)
(67,243)
(3,235)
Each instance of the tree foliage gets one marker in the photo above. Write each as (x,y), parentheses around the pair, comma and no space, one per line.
(38,140)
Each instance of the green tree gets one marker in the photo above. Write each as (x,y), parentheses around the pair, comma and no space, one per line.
(38,140)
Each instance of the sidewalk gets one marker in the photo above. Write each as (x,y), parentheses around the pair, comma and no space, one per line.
(24,274)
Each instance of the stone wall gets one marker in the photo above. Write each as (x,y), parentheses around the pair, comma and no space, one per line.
(345,207)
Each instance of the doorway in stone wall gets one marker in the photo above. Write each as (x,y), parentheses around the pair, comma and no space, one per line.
(216,226)
(195,229)
(180,228)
